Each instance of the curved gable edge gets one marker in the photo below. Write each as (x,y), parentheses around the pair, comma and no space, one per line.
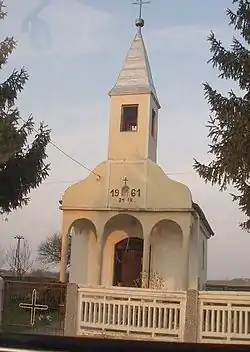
(203,218)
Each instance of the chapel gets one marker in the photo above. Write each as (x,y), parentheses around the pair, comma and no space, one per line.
(129,223)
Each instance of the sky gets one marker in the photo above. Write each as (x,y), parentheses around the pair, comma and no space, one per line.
(73,51)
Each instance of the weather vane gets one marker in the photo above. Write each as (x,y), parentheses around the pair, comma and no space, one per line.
(140,22)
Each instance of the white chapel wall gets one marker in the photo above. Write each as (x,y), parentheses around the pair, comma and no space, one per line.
(194,259)
(152,140)
(166,254)
(203,257)
(79,258)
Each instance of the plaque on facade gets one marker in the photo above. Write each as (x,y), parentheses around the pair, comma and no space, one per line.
(125,194)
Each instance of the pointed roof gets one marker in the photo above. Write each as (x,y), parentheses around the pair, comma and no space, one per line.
(135,76)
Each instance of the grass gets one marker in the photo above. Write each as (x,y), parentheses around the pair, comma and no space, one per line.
(16,319)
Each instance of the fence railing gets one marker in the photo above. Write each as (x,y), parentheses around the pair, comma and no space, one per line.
(129,312)
(220,317)
(224,317)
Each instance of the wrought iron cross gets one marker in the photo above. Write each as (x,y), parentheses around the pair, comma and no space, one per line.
(140,3)
(33,306)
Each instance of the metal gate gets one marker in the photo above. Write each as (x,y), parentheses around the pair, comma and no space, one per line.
(34,307)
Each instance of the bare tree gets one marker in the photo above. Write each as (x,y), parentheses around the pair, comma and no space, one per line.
(49,251)
(20,262)
(2,258)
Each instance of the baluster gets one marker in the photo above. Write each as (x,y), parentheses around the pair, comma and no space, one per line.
(240,322)
(206,311)
(175,325)
(165,311)
(229,322)
(119,314)
(85,311)
(213,315)
(170,318)
(143,315)
(109,308)
(133,315)
(95,312)
(159,324)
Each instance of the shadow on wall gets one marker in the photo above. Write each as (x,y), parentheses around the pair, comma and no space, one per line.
(166,253)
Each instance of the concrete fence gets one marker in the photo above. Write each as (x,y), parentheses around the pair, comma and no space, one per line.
(1,299)
(132,313)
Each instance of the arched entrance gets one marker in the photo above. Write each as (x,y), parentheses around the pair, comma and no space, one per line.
(128,262)
(123,234)
(84,263)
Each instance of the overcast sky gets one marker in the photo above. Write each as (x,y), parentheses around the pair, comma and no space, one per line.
(73,51)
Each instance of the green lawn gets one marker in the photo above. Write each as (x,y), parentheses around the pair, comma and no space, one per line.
(18,319)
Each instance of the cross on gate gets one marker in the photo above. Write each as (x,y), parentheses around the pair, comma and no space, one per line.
(33,306)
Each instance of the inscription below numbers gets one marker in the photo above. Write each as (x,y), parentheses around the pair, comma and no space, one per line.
(123,200)
(134,192)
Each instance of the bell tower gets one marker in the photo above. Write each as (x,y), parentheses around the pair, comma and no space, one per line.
(134,106)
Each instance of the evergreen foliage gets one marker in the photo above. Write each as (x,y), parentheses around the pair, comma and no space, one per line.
(22,155)
(229,123)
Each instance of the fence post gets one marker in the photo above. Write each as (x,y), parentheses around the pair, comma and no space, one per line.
(191,317)
(1,300)
(71,313)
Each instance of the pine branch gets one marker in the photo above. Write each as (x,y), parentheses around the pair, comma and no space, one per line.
(233,64)
(23,164)
(6,48)
(241,19)
(2,12)
(9,88)
(229,120)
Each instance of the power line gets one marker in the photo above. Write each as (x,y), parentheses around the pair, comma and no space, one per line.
(75,181)
(87,168)
(73,159)
(66,154)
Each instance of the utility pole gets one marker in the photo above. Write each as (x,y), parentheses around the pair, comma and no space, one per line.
(17,256)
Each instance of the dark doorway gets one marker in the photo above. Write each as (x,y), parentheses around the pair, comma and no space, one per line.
(128,262)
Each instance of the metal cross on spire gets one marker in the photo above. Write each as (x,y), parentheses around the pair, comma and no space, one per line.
(140,22)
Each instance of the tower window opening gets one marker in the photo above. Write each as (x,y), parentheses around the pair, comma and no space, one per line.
(129,120)
(153,123)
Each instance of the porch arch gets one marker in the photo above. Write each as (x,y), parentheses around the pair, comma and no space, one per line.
(84,265)
(166,261)
(118,228)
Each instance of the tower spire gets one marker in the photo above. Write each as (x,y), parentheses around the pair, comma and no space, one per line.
(140,21)
(135,76)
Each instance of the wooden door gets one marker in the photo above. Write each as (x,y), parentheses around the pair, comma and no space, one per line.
(128,262)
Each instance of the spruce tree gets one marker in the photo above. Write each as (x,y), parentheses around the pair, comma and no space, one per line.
(22,154)
(229,121)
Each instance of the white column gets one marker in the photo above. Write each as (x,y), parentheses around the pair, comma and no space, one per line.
(99,259)
(185,256)
(64,256)
(197,235)
(145,260)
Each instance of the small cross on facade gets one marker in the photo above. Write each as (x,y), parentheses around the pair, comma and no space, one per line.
(33,306)
(125,180)
(140,3)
